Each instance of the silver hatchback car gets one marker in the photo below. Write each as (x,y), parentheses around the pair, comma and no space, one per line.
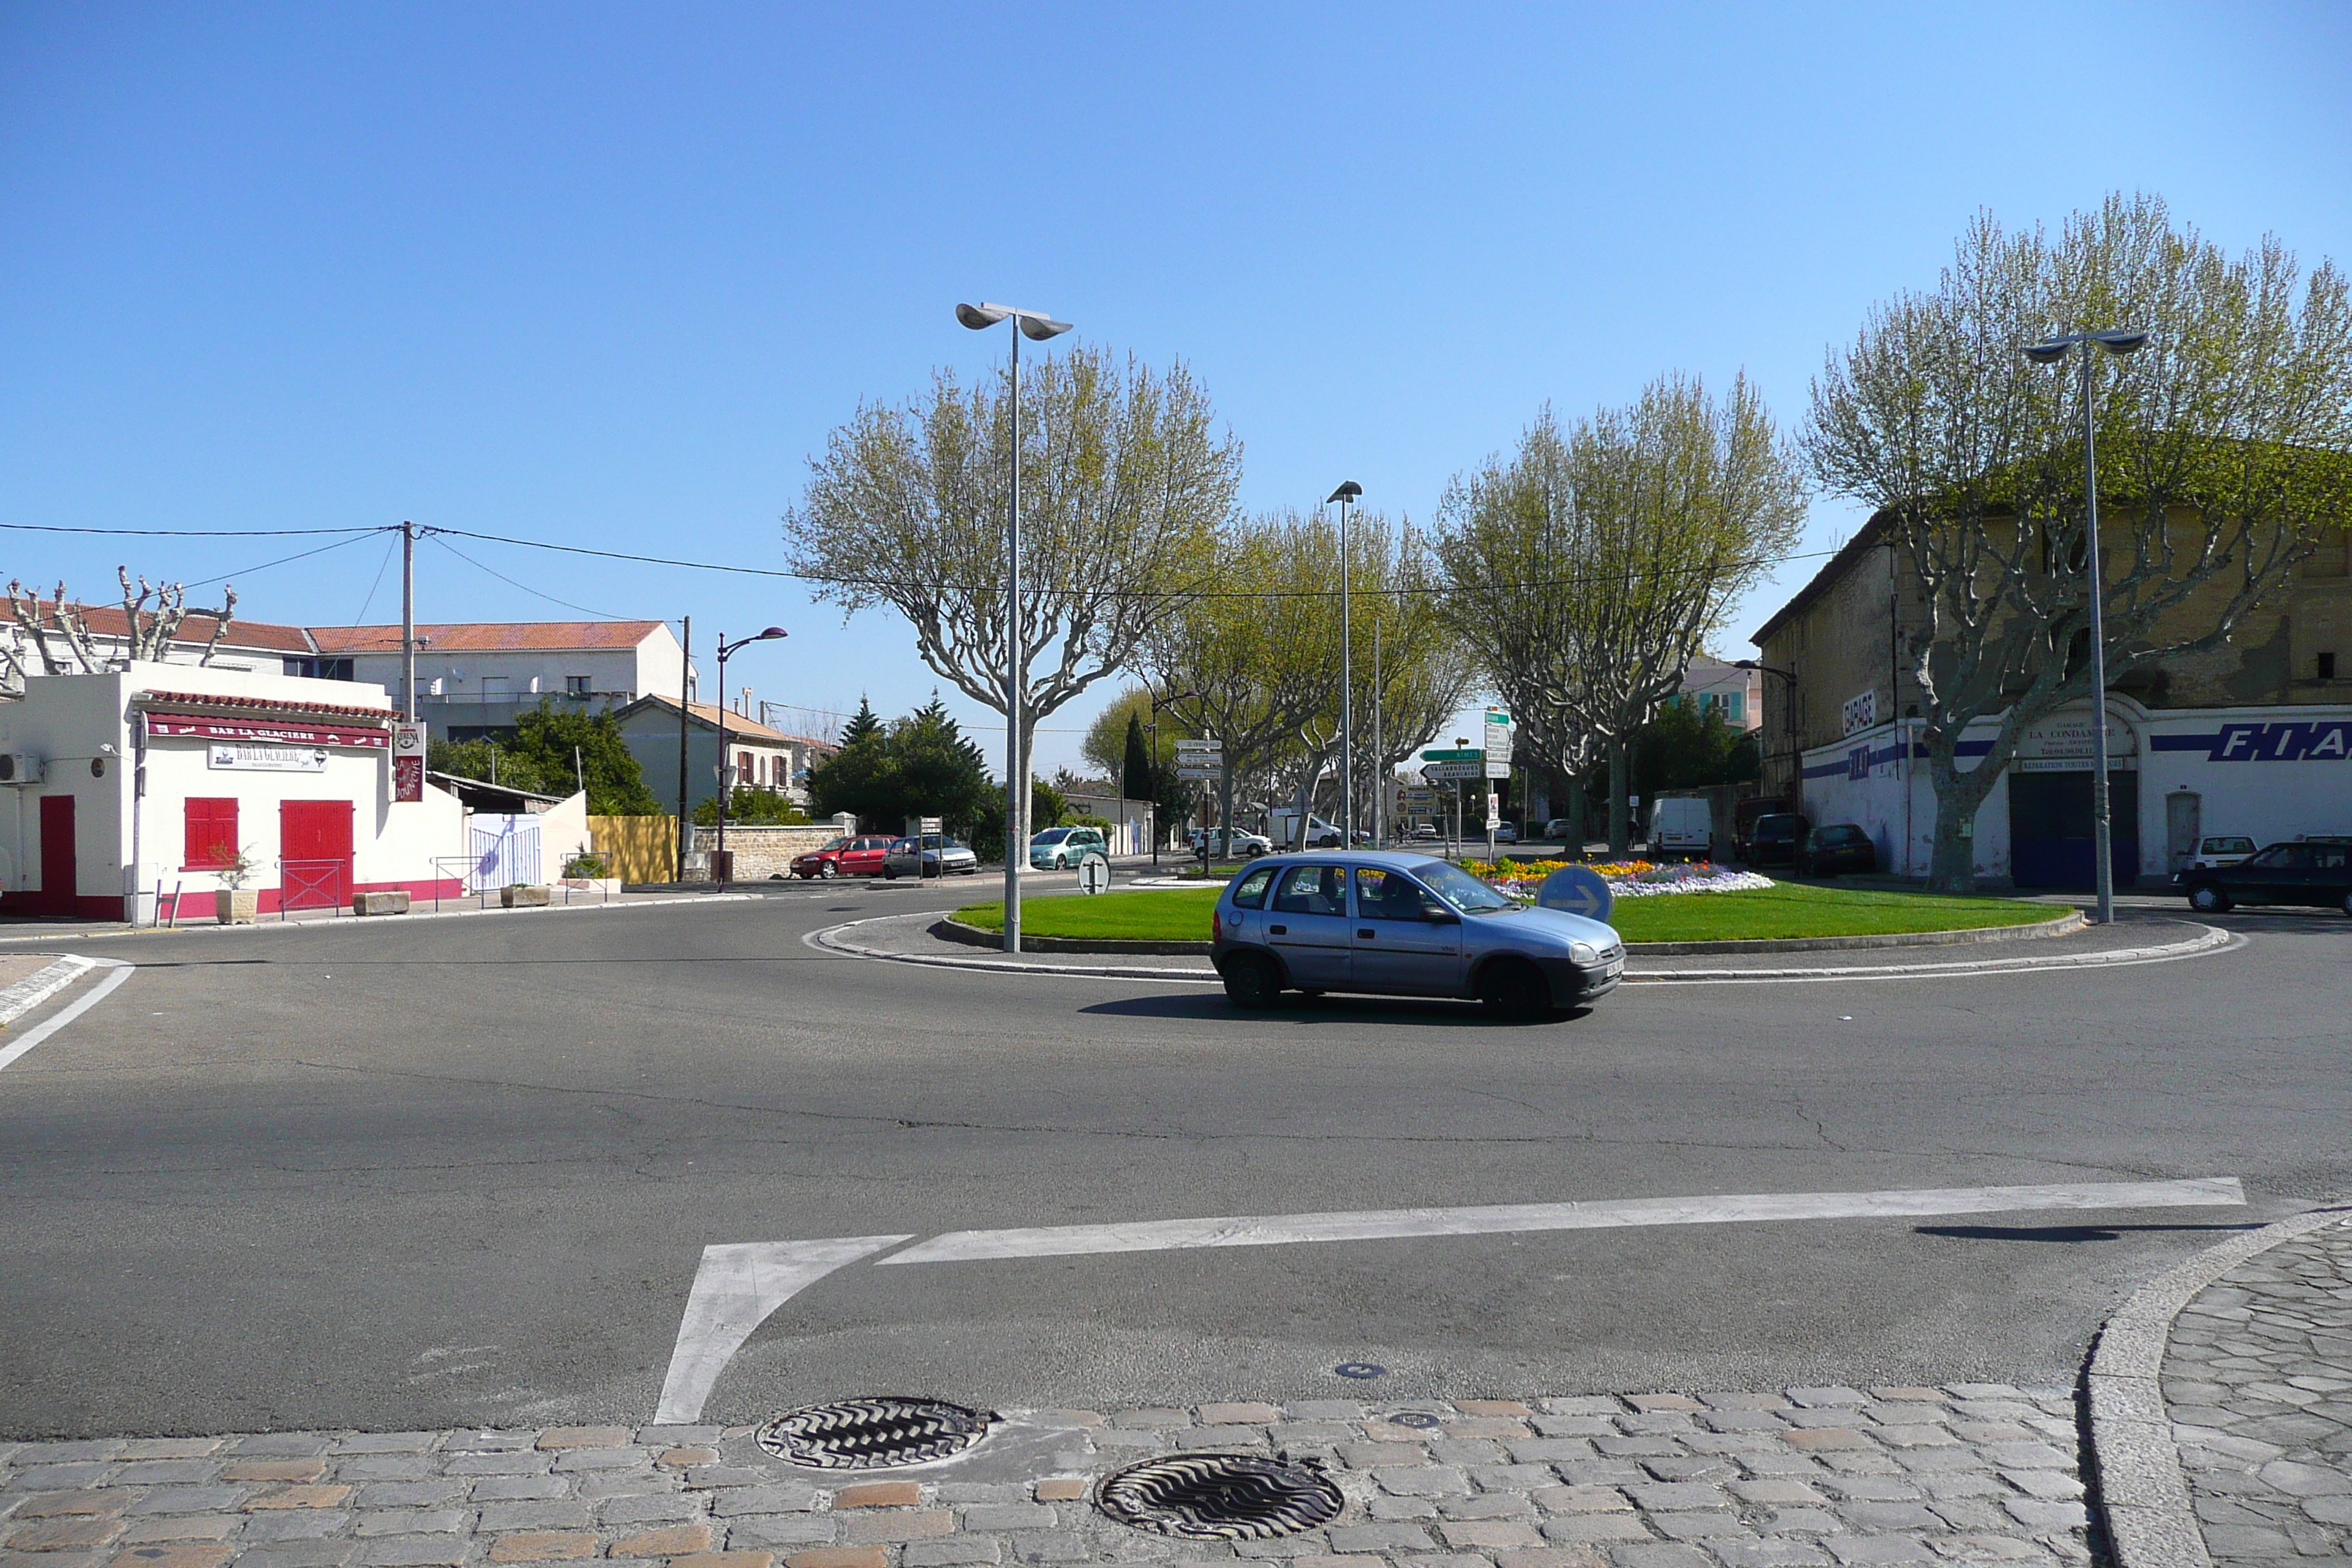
(1401,924)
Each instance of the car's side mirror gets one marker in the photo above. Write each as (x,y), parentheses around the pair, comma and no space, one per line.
(1444,918)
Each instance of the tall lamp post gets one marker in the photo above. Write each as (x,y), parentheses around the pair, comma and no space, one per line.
(728,650)
(1796,769)
(1037,328)
(1348,491)
(2054,352)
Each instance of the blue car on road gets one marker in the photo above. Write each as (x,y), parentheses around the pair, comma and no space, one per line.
(1395,923)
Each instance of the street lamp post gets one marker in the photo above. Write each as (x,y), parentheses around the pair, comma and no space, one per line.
(1037,329)
(2054,352)
(1348,491)
(728,650)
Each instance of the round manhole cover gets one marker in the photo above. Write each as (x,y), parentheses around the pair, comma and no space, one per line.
(1221,1496)
(873,1433)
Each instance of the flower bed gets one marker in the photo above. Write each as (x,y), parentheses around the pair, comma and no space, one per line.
(1626,878)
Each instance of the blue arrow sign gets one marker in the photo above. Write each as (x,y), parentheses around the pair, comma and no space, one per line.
(1578,891)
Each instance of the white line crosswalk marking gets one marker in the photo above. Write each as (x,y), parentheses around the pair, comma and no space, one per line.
(740,1284)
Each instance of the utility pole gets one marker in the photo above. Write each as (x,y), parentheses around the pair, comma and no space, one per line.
(1380,757)
(685,716)
(408,621)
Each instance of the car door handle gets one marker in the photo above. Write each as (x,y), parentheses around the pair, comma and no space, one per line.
(1367,931)
(1277,930)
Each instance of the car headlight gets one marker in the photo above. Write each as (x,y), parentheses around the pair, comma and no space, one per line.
(1584,953)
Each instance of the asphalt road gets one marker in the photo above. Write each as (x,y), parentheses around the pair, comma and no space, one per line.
(432,1174)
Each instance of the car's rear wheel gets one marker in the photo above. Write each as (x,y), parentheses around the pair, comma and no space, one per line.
(2208,899)
(1251,981)
(2347,905)
(1515,989)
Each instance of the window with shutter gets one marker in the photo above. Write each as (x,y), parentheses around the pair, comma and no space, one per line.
(211,833)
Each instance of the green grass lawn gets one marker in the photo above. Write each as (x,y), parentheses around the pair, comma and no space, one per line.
(1182,914)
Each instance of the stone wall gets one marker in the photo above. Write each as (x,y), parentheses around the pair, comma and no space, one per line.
(763,852)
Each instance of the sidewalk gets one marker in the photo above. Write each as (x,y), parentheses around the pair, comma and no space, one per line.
(2257,1380)
(1804,1478)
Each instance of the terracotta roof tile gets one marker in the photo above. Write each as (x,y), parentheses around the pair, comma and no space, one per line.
(111,621)
(490,636)
(274,704)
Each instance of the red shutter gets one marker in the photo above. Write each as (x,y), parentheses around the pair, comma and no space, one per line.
(211,841)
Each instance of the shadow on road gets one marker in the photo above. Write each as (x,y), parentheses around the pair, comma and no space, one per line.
(2057,1232)
(1352,1010)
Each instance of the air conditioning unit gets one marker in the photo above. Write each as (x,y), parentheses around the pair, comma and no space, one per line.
(20,768)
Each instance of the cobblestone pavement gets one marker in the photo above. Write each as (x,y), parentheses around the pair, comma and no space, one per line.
(2258,1381)
(1820,1476)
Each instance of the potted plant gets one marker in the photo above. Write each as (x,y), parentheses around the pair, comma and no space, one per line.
(237,903)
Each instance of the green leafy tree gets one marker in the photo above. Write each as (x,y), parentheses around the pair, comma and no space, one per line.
(570,749)
(863,725)
(2224,449)
(492,763)
(749,807)
(922,766)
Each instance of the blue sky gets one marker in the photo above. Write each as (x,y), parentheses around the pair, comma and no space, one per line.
(607,275)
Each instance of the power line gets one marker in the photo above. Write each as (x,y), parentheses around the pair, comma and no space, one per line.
(193,532)
(526,587)
(300,555)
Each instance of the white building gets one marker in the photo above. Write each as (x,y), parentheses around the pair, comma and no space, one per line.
(291,775)
(2270,772)
(475,679)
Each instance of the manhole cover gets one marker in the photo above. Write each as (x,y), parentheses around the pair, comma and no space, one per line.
(873,1433)
(1414,1418)
(1221,1496)
(1361,1369)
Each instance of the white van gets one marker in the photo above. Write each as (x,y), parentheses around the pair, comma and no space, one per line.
(1681,827)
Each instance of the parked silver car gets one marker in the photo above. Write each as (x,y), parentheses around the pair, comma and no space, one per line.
(932,855)
(1404,924)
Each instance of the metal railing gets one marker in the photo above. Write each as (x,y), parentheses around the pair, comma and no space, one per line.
(312,885)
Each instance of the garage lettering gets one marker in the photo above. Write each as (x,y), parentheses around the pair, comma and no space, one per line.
(2323,741)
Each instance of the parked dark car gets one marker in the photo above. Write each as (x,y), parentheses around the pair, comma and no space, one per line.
(2315,871)
(1744,817)
(1839,847)
(1776,839)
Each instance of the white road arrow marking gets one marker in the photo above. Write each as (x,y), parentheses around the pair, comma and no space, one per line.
(739,1286)
(734,1291)
(1378,1225)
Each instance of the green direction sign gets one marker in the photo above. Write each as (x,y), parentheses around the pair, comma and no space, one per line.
(1473,754)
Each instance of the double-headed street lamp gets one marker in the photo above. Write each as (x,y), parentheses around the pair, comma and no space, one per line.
(1348,491)
(2054,352)
(728,650)
(1037,328)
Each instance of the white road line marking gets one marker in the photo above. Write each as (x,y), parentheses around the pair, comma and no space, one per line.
(1374,1224)
(735,1289)
(67,1013)
(739,1286)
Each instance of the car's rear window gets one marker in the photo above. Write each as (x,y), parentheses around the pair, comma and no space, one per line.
(2229,846)
(1249,893)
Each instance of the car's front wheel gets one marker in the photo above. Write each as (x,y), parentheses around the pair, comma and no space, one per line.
(2208,899)
(827,870)
(890,873)
(2347,903)
(1515,990)
(1251,981)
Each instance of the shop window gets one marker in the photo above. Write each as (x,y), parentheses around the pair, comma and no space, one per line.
(211,835)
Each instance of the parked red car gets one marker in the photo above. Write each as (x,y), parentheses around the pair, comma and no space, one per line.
(845,857)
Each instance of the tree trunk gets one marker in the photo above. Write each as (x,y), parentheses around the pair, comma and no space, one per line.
(1620,772)
(1952,864)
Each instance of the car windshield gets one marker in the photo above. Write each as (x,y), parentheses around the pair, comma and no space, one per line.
(833,844)
(1051,836)
(1463,890)
(2229,846)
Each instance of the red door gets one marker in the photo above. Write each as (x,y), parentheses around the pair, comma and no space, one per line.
(57,855)
(314,853)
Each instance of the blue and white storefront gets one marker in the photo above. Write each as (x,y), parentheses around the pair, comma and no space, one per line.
(2269,773)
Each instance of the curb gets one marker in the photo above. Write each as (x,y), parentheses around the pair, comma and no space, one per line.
(950,929)
(37,988)
(2143,1496)
(2210,939)
(356,922)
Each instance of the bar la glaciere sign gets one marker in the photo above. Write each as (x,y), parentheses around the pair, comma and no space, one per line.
(265,745)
